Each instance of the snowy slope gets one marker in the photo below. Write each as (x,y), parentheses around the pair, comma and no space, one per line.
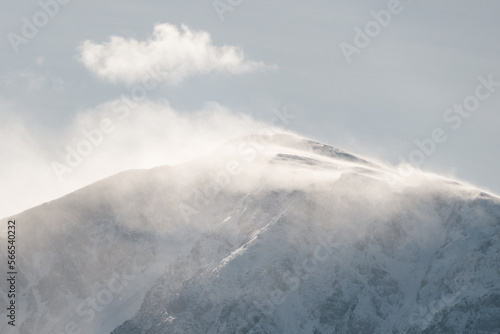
(73,248)
(337,246)
(264,235)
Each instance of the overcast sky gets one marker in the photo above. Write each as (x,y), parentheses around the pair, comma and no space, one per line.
(154,82)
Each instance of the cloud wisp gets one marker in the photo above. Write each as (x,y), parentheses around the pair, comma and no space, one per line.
(172,54)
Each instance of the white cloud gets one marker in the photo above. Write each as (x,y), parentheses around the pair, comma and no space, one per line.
(175,54)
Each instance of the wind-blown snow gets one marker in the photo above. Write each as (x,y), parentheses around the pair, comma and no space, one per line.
(266,235)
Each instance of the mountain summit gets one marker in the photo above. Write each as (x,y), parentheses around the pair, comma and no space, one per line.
(268,234)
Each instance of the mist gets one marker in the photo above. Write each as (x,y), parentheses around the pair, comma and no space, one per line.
(112,137)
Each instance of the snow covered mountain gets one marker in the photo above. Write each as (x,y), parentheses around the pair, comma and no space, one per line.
(268,234)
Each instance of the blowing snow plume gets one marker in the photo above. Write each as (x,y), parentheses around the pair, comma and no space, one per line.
(112,137)
(269,233)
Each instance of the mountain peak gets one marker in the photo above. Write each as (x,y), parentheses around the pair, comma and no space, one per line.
(268,234)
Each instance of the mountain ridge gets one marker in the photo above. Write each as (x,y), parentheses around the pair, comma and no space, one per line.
(213,249)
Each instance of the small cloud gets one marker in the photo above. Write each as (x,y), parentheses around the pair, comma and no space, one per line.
(33,80)
(171,54)
(40,60)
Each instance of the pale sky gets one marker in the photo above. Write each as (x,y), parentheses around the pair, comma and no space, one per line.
(371,78)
